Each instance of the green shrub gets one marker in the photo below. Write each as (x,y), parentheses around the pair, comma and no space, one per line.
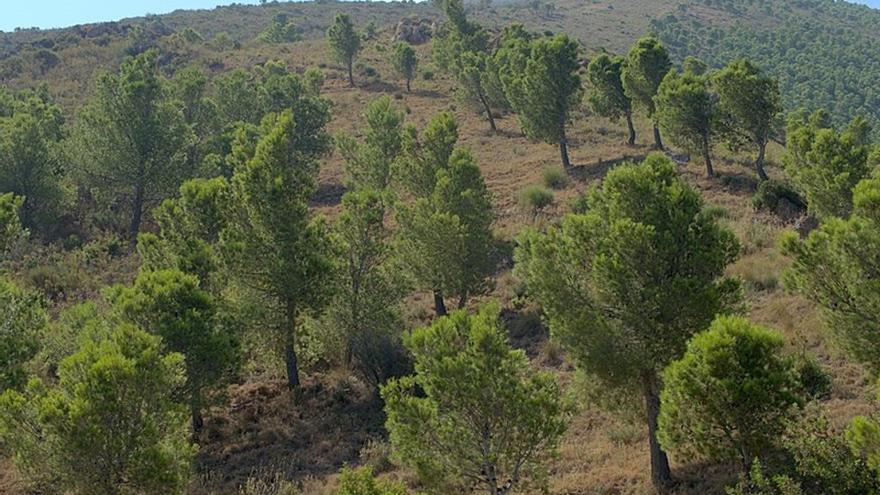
(314,80)
(760,483)
(770,192)
(815,381)
(535,198)
(716,212)
(427,75)
(729,397)
(362,482)
(555,178)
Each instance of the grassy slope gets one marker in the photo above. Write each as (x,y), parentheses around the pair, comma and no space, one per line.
(261,431)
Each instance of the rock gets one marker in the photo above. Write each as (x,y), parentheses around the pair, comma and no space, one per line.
(413,31)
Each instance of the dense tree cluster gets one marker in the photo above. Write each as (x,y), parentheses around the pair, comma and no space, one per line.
(824,53)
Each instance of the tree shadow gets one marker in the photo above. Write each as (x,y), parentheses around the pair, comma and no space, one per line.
(264,432)
(379,87)
(526,329)
(738,182)
(328,194)
(426,93)
(704,477)
(597,170)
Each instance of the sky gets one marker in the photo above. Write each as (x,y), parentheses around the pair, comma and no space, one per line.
(60,13)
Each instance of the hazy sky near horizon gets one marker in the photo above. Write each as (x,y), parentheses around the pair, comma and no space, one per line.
(61,13)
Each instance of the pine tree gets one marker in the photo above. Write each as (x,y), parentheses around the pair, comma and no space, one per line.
(646,65)
(749,103)
(546,92)
(607,97)
(405,62)
(474,414)
(131,139)
(687,113)
(613,286)
(273,244)
(345,42)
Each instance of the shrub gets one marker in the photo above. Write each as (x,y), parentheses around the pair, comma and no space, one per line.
(314,80)
(370,71)
(427,75)
(815,381)
(376,455)
(555,178)
(823,462)
(362,482)
(22,318)
(475,414)
(110,425)
(535,198)
(730,395)
(757,482)
(770,192)
(280,31)
(269,485)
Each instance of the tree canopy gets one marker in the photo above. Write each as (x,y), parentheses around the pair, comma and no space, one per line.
(749,104)
(687,113)
(730,395)
(607,96)
(484,419)
(547,90)
(613,286)
(131,139)
(646,65)
(345,42)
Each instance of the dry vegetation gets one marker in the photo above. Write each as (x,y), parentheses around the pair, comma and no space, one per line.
(601,453)
(262,433)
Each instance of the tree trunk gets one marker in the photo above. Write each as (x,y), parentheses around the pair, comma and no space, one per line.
(632,130)
(350,73)
(746,459)
(759,162)
(563,153)
(407,85)
(488,111)
(137,209)
(290,347)
(197,421)
(439,305)
(660,473)
(492,479)
(658,143)
(707,158)
(462,301)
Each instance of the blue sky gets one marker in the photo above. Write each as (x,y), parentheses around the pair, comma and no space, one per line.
(59,13)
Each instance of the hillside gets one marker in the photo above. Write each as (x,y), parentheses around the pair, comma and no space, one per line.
(824,52)
(260,439)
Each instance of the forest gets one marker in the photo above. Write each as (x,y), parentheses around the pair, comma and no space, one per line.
(395,248)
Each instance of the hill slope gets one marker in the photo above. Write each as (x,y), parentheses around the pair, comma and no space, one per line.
(824,52)
(259,432)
